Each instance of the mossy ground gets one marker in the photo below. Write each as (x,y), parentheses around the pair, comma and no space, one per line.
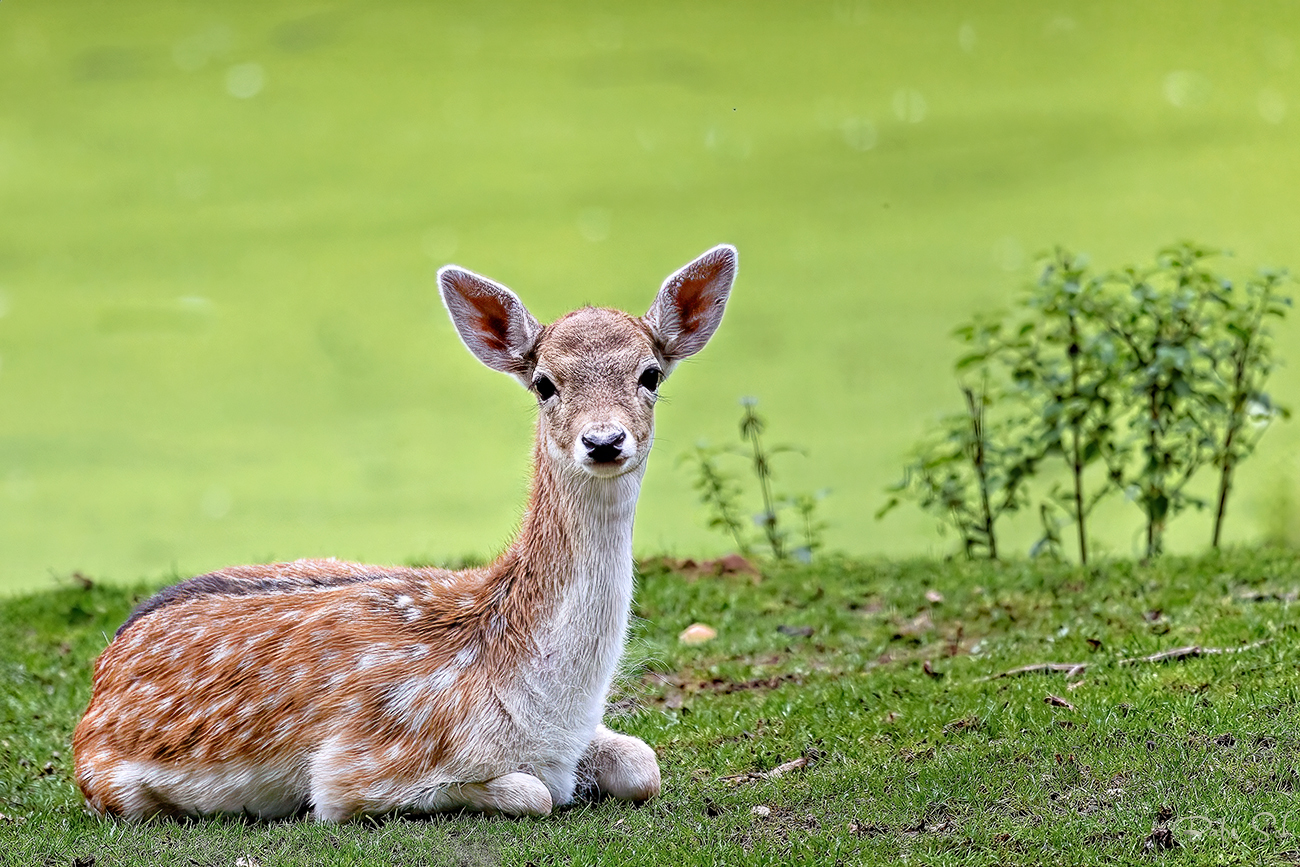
(914,753)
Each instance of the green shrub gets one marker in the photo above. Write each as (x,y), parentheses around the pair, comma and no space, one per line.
(1154,373)
(722,494)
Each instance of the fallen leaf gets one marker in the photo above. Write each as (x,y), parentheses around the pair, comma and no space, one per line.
(734,564)
(961,725)
(1159,840)
(762,811)
(787,767)
(778,771)
(873,605)
(1267,596)
(1193,650)
(697,633)
(916,627)
(934,596)
(1073,686)
(1071,669)
(1057,701)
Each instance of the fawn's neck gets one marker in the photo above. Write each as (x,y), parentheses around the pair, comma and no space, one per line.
(575,551)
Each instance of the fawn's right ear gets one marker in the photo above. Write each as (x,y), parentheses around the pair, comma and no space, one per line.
(492,321)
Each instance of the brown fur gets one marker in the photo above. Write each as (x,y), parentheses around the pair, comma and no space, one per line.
(264,664)
(320,616)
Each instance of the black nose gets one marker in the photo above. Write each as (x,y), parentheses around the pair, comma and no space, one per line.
(604,447)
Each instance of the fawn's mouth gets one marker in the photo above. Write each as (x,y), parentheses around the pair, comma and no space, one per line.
(608,469)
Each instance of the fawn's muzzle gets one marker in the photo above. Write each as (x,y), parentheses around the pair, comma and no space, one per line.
(604,446)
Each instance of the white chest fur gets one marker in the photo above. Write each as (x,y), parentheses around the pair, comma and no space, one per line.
(564,685)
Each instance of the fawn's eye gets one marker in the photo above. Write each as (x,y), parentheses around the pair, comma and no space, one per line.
(651,378)
(544,387)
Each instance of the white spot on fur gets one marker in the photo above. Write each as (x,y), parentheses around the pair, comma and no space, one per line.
(370,659)
(402,601)
(440,679)
(466,656)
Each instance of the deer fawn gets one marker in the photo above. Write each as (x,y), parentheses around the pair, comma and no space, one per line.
(359,689)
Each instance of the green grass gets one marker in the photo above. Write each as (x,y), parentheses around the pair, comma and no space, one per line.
(939,767)
(220,340)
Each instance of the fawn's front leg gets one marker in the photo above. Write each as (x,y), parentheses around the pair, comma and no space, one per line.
(514,794)
(620,766)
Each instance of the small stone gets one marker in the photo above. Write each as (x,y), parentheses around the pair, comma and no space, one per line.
(761,811)
(697,633)
(934,596)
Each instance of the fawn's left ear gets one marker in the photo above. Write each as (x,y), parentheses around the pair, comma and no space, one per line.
(689,306)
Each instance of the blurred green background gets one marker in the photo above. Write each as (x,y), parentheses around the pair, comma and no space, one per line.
(220,339)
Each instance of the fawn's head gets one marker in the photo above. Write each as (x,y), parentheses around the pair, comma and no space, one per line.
(595,372)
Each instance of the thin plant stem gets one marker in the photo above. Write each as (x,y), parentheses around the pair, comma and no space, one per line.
(1077,459)
(975,407)
(751,427)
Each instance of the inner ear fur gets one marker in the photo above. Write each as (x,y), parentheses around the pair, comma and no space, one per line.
(690,304)
(491,320)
